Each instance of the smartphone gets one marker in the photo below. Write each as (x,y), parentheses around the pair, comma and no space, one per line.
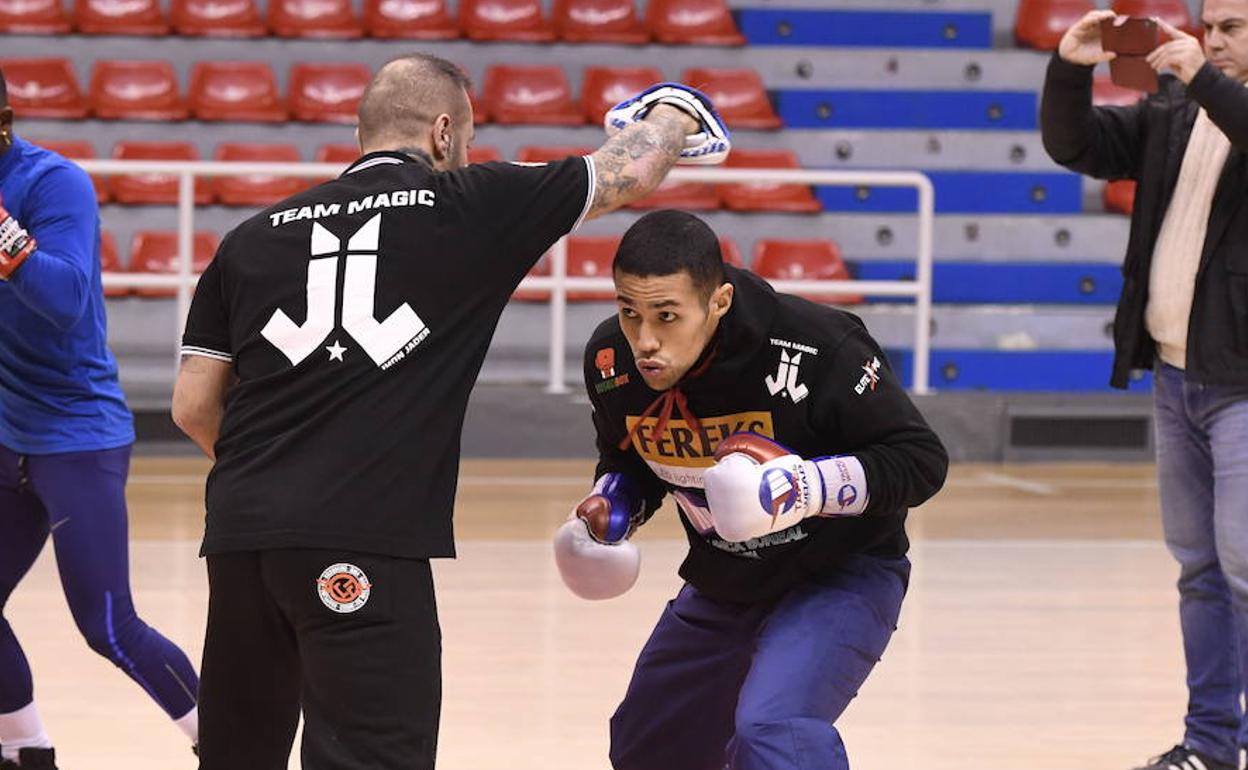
(1134,72)
(1133,36)
(1132,39)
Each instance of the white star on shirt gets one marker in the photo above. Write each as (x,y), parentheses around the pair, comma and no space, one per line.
(335,351)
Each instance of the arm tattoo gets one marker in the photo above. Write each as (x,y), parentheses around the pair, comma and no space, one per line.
(633,162)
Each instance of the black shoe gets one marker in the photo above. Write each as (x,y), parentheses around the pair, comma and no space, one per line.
(1183,758)
(37,759)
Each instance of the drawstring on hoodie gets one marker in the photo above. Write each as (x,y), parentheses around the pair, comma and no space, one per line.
(671,398)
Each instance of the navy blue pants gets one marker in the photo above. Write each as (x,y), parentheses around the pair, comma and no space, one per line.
(80,498)
(758,687)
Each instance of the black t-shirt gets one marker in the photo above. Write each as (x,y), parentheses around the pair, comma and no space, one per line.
(357,315)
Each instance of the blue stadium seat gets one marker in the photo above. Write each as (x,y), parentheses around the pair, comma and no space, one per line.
(876,29)
(1009,283)
(969,110)
(1027,371)
(968,192)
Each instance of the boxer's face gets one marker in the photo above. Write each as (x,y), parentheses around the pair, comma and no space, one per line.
(1226,36)
(668,322)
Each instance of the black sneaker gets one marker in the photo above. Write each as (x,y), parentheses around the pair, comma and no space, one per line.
(1183,758)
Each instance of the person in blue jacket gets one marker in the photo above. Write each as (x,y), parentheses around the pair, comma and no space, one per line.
(65,440)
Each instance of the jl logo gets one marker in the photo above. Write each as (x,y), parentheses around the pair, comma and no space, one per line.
(786,378)
(381,340)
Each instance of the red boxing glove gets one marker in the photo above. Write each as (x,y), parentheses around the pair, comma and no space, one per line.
(592,550)
(611,508)
(15,244)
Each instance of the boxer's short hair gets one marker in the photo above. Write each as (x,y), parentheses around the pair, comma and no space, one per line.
(667,242)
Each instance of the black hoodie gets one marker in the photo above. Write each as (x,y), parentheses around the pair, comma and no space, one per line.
(807,375)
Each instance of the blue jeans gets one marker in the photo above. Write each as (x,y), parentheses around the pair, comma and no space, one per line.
(759,686)
(1202,469)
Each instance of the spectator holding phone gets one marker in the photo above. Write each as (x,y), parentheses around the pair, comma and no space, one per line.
(1184,314)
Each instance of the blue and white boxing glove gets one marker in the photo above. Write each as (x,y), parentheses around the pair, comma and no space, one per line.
(708,146)
(592,551)
(758,486)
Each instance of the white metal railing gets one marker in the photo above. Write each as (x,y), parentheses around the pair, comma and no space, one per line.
(559,283)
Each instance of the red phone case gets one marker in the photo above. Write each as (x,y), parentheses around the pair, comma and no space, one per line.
(1133,36)
(1132,39)
(1134,72)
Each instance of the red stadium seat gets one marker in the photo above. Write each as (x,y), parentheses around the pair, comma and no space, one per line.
(235,91)
(590,257)
(33,17)
(1173,11)
(343,154)
(323,19)
(156,251)
(1040,24)
(257,189)
(604,87)
(76,150)
(43,88)
(548,154)
(110,262)
(1105,93)
(767,196)
(519,20)
(120,17)
(479,113)
(409,19)
(731,254)
(738,95)
(804,261)
(327,93)
(697,22)
(136,90)
(483,154)
(155,188)
(1119,196)
(599,21)
(337,153)
(693,196)
(217,18)
(537,94)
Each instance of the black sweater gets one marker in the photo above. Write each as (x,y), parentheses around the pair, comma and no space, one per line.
(1146,142)
(843,399)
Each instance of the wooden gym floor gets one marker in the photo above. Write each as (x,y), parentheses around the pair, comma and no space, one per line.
(1040,632)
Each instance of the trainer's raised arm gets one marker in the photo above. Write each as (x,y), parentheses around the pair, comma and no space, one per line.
(666,124)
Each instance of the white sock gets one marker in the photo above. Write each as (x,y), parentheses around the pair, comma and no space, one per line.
(189,724)
(22,729)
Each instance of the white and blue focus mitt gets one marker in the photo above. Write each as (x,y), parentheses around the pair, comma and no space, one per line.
(708,146)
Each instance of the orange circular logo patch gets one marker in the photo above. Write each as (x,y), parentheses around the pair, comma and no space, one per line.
(343,587)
